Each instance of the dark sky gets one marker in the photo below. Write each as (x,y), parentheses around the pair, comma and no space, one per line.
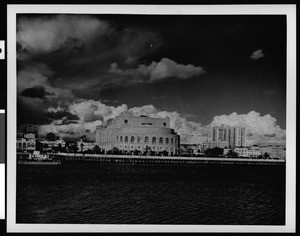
(199,66)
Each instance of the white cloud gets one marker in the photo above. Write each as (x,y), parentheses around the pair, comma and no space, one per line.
(257,54)
(157,71)
(46,34)
(91,113)
(259,129)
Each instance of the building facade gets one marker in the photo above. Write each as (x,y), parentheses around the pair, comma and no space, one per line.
(235,136)
(85,146)
(130,133)
(26,142)
(275,152)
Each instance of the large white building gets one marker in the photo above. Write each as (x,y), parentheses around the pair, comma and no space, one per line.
(130,133)
(235,136)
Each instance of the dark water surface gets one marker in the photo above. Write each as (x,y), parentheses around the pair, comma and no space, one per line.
(114,193)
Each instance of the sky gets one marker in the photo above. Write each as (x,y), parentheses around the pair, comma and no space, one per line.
(76,71)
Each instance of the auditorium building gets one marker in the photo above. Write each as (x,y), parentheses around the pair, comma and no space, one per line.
(130,133)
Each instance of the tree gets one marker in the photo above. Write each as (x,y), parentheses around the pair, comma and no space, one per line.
(38,146)
(97,149)
(214,152)
(266,155)
(115,150)
(73,148)
(50,136)
(232,154)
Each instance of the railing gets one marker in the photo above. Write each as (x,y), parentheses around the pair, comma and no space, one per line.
(164,159)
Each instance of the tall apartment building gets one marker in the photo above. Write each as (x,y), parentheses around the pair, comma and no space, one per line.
(235,136)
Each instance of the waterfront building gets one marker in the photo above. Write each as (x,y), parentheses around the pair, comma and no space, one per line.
(255,151)
(278,152)
(274,151)
(85,145)
(26,142)
(243,151)
(48,145)
(235,136)
(130,133)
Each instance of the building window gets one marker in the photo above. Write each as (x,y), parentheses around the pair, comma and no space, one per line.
(126,139)
(146,139)
(138,139)
(165,124)
(167,140)
(125,121)
(121,139)
(132,139)
(154,140)
(117,138)
(161,140)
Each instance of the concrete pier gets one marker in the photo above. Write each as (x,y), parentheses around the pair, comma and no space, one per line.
(79,157)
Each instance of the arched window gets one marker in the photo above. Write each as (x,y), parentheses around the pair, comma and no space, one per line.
(138,139)
(24,144)
(132,139)
(146,139)
(161,140)
(172,141)
(121,139)
(126,139)
(167,140)
(154,140)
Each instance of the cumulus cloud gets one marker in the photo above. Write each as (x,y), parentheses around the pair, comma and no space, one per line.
(256,55)
(47,34)
(158,71)
(90,114)
(35,80)
(259,129)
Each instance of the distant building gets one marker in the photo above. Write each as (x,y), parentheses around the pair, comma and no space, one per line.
(48,145)
(255,151)
(275,152)
(26,142)
(235,136)
(243,151)
(84,145)
(130,133)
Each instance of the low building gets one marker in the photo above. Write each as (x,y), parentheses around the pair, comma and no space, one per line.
(255,151)
(26,144)
(243,151)
(274,151)
(85,146)
(48,145)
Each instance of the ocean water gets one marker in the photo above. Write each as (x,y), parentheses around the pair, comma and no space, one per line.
(115,193)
